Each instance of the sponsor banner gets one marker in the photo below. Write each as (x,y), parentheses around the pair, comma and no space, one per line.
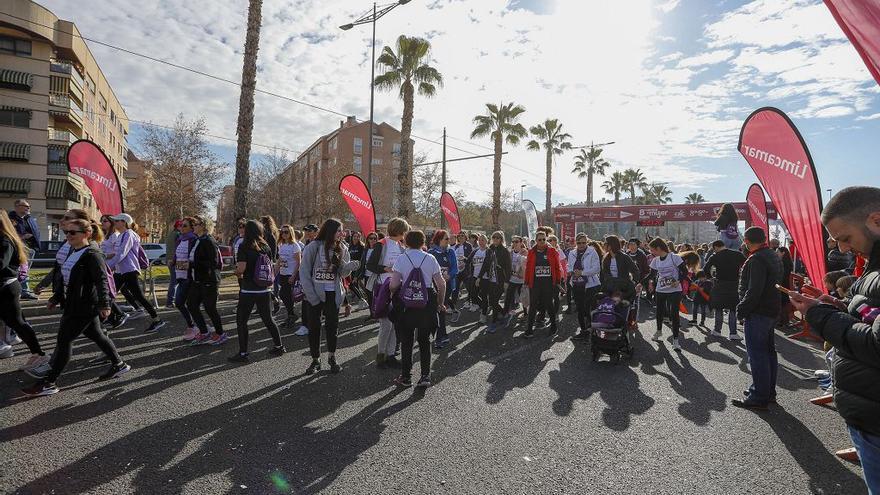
(860,20)
(775,150)
(638,213)
(531,217)
(757,209)
(450,212)
(355,193)
(86,160)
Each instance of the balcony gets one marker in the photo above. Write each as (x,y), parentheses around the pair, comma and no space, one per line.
(63,108)
(56,168)
(66,137)
(65,67)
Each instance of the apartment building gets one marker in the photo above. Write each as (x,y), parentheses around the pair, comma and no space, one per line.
(313,179)
(52,92)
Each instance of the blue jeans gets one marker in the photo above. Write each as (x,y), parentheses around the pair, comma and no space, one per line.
(172,284)
(25,287)
(731,320)
(868,447)
(182,290)
(761,349)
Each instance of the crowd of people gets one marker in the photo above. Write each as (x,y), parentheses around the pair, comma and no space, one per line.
(414,284)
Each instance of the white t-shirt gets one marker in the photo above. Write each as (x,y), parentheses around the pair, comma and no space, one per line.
(182,259)
(667,273)
(70,262)
(62,253)
(367,273)
(414,258)
(479,258)
(459,255)
(286,258)
(390,253)
(517,263)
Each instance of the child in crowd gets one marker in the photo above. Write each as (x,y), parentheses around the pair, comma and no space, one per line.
(843,285)
(611,312)
(700,290)
(831,279)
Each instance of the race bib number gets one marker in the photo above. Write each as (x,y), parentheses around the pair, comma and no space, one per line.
(666,282)
(542,271)
(283,263)
(323,273)
(181,265)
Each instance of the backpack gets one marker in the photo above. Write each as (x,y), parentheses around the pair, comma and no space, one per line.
(606,315)
(143,260)
(297,290)
(263,274)
(414,294)
(381,299)
(731,231)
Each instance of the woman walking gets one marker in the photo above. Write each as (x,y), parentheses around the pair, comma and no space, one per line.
(493,276)
(385,253)
(108,247)
(289,257)
(584,267)
(368,278)
(518,255)
(271,236)
(670,270)
(446,258)
(620,273)
(126,262)
(422,300)
(726,225)
(325,263)
(542,276)
(179,261)
(84,294)
(205,264)
(474,265)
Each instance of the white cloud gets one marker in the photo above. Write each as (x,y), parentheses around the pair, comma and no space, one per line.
(668,6)
(873,116)
(707,58)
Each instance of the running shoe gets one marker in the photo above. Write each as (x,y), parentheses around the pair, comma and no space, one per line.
(115,371)
(202,338)
(41,371)
(33,361)
(155,326)
(169,305)
(12,338)
(403,382)
(424,382)
(735,336)
(27,296)
(126,308)
(315,366)
(303,331)
(582,335)
(6,350)
(191,333)
(716,333)
(136,315)
(676,344)
(119,322)
(658,336)
(334,366)
(219,338)
(40,388)
(277,351)
(239,358)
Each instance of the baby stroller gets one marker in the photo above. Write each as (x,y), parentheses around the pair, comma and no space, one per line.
(612,323)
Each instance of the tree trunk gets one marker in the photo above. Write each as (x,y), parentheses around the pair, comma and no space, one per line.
(496,184)
(246,107)
(589,188)
(548,202)
(404,171)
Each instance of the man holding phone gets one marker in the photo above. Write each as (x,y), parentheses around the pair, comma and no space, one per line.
(852,217)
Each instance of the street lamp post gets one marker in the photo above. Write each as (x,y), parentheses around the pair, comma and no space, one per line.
(372,17)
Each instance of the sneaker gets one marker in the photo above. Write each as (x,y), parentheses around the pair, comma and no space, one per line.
(202,338)
(155,326)
(315,366)
(403,382)
(334,367)
(277,351)
(303,331)
(136,315)
(820,374)
(33,361)
(115,371)
(27,296)
(127,308)
(239,358)
(482,318)
(6,350)
(121,321)
(12,338)
(735,336)
(219,338)
(169,305)
(424,382)
(716,333)
(676,344)
(40,388)
(658,336)
(191,333)
(582,335)
(41,371)
(749,404)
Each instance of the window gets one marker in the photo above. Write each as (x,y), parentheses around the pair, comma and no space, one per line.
(396,148)
(57,153)
(17,117)
(358,145)
(91,84)
(358,164)
(15,46)
(333,143)
(377,143)
(112,117)
(377,161)
(103,102)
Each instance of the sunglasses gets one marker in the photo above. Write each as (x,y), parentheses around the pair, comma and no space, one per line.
(74,232)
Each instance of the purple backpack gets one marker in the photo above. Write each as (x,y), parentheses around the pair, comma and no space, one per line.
(263,274)
(297,290)
(731,231)
(414,294)
(381,299)
(606,315)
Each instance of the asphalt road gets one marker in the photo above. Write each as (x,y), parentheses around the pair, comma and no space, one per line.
(506,415)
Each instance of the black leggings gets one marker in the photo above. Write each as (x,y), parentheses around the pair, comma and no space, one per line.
(125,291)
(474,292)
(286,295)
(10,313)
(584,298)
(407,335)
(246,302)
(330,311)
(131,283)
(494,293)
(668,302)
(511,297)
(201,294)
(543,299)
(71,328)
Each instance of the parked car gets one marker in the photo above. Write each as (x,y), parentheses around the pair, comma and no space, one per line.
(226,255)
(45,256)
(155,253)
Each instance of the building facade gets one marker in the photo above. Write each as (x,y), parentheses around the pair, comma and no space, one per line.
(308,190)
(147,212)
(52,93)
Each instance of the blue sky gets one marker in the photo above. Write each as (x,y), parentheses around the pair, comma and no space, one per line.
(669,80)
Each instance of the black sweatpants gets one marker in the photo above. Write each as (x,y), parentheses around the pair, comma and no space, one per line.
(494,294)
(125,291)
(584,300)
(131,283)
(407,336)
(330,311)
(668,302)
(542,298)
(203,295)
(10,313)
(72,327)
(286,295)
(246,303)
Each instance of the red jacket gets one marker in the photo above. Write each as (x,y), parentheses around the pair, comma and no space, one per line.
(555,267)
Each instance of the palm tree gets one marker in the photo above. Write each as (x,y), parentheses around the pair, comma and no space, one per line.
(615,186)
(554,142)
(407,70)
(587,164)
(500,124)
(634,179)
(656,193)
(246,108)
(693,199)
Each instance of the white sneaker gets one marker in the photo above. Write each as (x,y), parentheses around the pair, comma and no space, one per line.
(303,331)
(658,336)
(15,340)
(482,318)
(6,350)
(676,344)
(137,315)
(735,336)
(34,361)
(125,308)
(716,333)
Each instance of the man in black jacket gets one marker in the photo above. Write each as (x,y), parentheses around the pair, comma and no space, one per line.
(726,263)
(852,217)
(759,307)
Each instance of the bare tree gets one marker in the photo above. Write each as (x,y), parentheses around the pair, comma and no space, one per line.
(186,175)
(271,187)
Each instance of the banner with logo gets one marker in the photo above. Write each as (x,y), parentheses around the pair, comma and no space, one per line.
(531,217)
(649,213)
(757,209)
(450,212)
(860,20)
(778,155)
(356,194)
(86,160)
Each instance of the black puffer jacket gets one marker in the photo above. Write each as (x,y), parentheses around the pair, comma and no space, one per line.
(500,257)
(87,290)
(757,280)
(726,263)
(857,354)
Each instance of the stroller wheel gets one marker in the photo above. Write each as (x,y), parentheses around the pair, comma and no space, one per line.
(615,358)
